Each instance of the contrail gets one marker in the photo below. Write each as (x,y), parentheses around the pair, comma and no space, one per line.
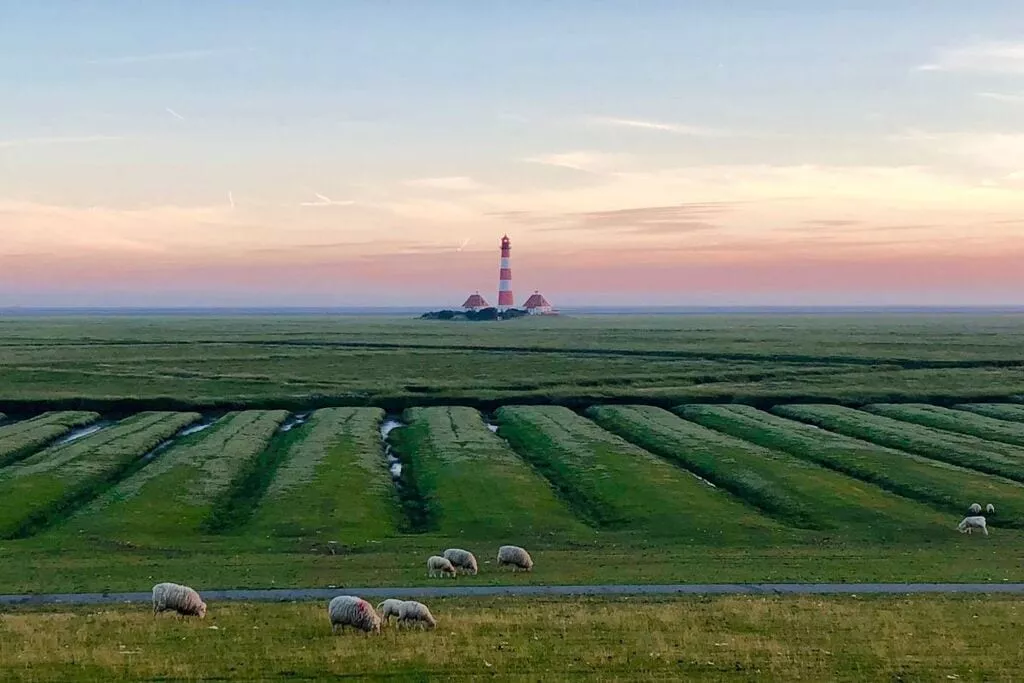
(464,243)
(174,114)
(231,199)
(327,201)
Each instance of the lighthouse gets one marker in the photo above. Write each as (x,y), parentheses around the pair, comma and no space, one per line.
(505,300)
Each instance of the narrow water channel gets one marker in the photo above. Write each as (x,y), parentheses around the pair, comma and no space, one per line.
(83,432)
(293,421)
(394,465)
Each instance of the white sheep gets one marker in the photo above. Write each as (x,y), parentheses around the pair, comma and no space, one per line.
(975,509)
(968,524)
(515,556)
(388,608)
(349,610)
(462,559)
(990,509)
(412,611)
(181,599)
(437,565)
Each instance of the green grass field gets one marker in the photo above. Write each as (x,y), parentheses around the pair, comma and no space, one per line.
(945,486)
(332,486)
(958,449)
(167,502)
(22,439)
(793,490)
(612,499)
(473,486)
(721,638)
(618,486)
(960,421)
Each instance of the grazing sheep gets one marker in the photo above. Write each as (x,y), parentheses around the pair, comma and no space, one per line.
(975,509)
(348,610)
(462,559)
(388,608)
(412,611)
(181,599)
(437,565)
(968,524)
(990,509)
(515,556)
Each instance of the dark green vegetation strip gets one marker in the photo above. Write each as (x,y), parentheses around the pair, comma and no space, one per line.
(21,439)
(953,420)
(168,501)
(945,486)
(474,485)
(959,449)
(333,485)
(616,485)
(999,411)
(41,489)
(794,490)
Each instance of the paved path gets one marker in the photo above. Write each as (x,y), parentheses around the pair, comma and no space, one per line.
(295,594)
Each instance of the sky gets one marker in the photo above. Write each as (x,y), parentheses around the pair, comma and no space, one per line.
(319,153)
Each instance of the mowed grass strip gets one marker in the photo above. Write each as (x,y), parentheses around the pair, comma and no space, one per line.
(958,449)
(168,500)
(1013,412)
(950,420)
(796,491)
(333,485)
(21,439)
(723,638)
(617,485)
(40,489)
(472,484)
(944,486)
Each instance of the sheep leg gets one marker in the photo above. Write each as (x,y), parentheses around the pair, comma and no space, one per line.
(985,529)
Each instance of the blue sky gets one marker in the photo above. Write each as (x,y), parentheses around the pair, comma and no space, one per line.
(194,139)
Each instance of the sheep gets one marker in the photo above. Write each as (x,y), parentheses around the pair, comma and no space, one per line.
(181,599)
(975,509)
(437,565)
(412,611)
(388,609)
(968,524)
(462,559)
(515,556)
(990,509)
(349,610)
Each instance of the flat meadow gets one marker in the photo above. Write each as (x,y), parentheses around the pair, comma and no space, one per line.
(340,451)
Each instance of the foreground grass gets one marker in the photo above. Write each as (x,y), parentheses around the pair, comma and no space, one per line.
(849,639)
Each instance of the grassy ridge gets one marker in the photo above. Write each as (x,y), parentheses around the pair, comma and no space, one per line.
(45,486)
(950,420)
(726,638)
(945,486)
(474,486)
(168,500)
(21,439)
(616,485)
(1000,411)
(958,449)
(798,492)
(332,485)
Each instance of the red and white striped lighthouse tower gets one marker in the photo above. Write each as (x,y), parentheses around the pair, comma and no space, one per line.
(505,300)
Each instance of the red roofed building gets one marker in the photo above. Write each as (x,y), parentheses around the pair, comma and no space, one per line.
(537,304)
(475,302)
